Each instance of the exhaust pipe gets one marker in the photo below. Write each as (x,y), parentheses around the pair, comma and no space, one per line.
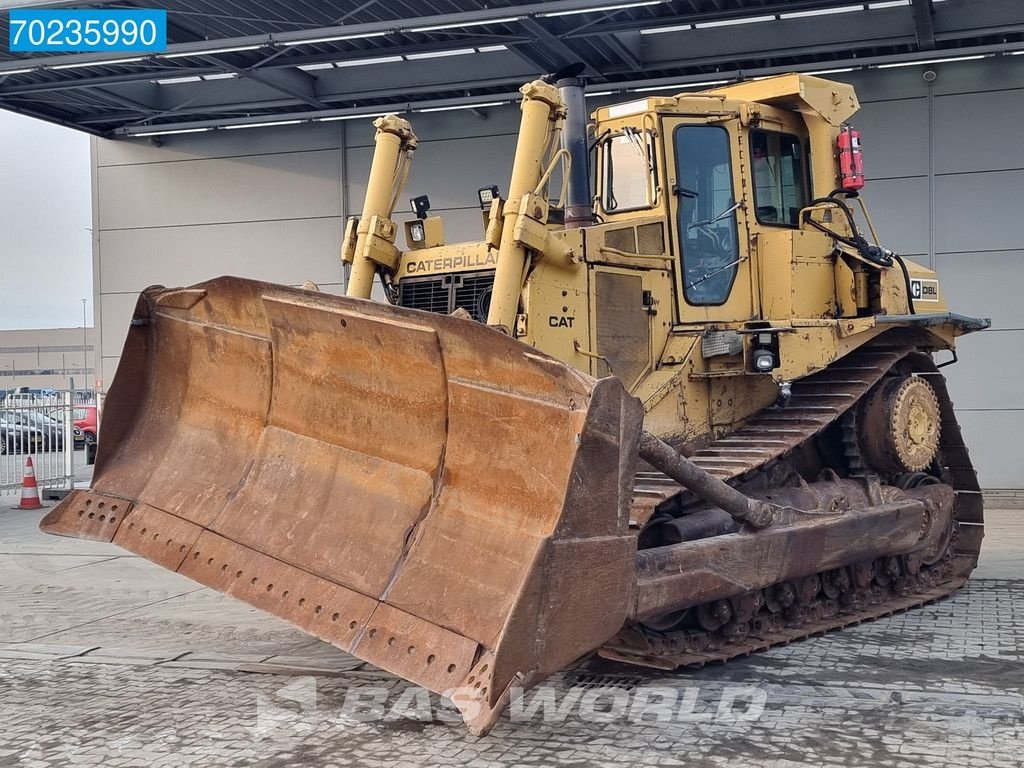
(579,211)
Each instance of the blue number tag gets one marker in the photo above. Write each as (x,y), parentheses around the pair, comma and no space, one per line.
(88,29)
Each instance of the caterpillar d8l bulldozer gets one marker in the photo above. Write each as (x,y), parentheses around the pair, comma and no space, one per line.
(686,417)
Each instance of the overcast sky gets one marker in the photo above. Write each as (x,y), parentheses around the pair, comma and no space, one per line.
(45,216)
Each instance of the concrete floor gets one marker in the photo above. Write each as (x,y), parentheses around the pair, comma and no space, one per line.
(108,660)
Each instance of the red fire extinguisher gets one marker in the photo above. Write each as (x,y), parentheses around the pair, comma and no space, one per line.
(851,163)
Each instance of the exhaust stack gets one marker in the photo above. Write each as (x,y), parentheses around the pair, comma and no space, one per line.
(579,211)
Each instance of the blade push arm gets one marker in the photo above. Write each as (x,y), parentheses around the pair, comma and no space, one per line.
(525,212)
(375,231)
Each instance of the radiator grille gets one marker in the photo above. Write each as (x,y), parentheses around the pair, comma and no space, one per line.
(444,294)
(474,294)
(430,295)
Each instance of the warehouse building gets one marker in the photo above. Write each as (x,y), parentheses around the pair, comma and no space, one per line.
(245,147)
(47,358)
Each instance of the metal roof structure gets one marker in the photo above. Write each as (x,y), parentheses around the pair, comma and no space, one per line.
(243,63)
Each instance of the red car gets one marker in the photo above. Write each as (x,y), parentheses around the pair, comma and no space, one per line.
(85,420)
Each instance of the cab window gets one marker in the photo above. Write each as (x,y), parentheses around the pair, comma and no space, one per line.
(780,177)
(706,214)
(629,173)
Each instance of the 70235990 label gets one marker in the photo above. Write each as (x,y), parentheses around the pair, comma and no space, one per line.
(87,29)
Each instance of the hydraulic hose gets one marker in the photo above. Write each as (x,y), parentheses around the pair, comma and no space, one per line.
(906,281)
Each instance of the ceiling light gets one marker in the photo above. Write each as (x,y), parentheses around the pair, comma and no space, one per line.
(601,8)
(332,118)
(334,38)
(176,80)
(172,131)
(438,27)
(461,106)
(221,76)
(106,63)
(677,86)
(887,4)
(365,62)
(600,93)
(261,125)
(660,30)
(312,67)
(6,72)
(820,12)
(439,54)
(733,22)
(830,71)
(492,48)
(928,61)
(209,52)
(1016,53)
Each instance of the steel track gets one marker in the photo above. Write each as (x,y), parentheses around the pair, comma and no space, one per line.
(818,401)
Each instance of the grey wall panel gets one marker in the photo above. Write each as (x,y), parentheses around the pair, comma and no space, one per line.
(117,314)
(430,126)
(998,74)
(993,438)
(978,212)
(895,138)
(450,172)
(992,75)
(201,146)
(899,209)
(277,251)
(985,285)
(975,383)
(974,132)
(253,188)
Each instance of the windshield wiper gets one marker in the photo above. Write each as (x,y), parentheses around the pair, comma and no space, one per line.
(719,217)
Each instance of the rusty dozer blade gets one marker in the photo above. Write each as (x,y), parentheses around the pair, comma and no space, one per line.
(421,491)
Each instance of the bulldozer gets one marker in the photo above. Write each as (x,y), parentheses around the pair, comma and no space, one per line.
(677,405)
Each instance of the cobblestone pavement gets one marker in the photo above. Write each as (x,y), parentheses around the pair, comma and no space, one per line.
(108,661)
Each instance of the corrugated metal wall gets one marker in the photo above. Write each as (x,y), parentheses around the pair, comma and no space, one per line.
(945,161)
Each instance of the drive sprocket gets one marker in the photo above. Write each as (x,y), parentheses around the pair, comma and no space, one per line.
(900,425)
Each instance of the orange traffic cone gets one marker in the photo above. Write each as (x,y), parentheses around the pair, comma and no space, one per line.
(29,489)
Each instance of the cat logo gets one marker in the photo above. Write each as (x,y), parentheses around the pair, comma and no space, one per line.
(924,290)
(560,322)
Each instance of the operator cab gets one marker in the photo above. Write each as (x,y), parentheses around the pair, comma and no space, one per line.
(724,168)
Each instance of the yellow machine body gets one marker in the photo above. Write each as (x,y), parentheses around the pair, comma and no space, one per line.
(475,495)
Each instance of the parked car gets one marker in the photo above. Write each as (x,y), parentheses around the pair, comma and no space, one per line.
(51,429)
(85,419)
(16,438)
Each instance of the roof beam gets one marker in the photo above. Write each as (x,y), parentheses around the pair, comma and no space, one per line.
(554,44)
(624,52)
(468,100)
(371,30)
(923,24)
(291,82)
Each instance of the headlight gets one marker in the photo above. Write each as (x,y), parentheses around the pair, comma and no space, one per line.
(486,196)
(416,233)
(764,360)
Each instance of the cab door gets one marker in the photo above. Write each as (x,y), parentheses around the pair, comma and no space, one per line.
(709,227)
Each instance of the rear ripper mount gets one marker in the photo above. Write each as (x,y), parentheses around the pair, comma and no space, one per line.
(251,423)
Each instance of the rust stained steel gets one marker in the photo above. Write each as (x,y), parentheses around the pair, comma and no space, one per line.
(931,573)
(745,510)
(671,578)
(421,491)
(443,501)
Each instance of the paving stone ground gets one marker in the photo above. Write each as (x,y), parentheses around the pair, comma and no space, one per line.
(106,660)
